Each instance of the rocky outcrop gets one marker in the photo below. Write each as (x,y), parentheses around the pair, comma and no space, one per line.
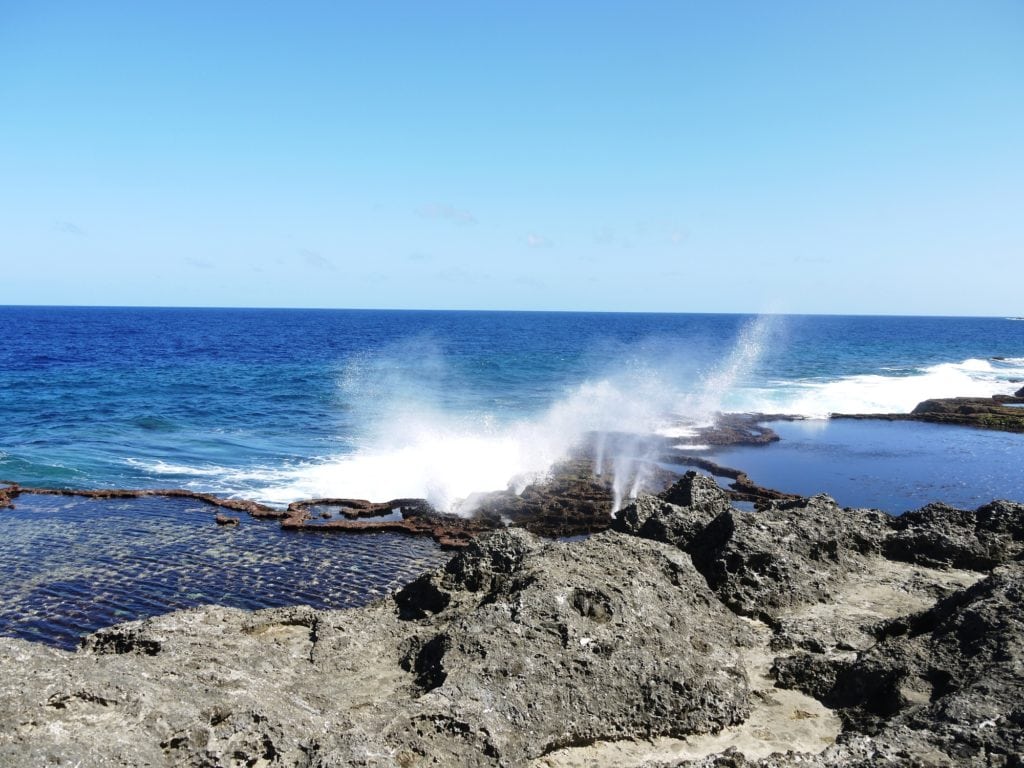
(793,553)
(997,412)
(692,634)
(515,648)
(678,515)
(943,687)
(944,537)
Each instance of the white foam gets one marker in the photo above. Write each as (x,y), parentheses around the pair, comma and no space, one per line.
(877,393)
(416,449)
(419,451)
(442,459)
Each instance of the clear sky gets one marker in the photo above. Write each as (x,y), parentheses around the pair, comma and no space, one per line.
(847,157)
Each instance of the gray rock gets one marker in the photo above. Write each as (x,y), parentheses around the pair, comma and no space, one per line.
(519,647)
(949,685)
(792,553)
(514,648)
(944,537)
(678,515)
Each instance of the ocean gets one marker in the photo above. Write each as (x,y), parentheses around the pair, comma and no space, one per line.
(281,405)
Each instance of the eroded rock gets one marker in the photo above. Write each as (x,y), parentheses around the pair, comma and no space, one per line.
(516,647)
(522,651)
(793,553)
(941,536)
(678,514)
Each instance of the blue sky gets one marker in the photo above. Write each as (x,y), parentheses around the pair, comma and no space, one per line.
(860,157)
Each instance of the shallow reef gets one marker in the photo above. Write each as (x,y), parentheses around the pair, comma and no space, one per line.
(691,633)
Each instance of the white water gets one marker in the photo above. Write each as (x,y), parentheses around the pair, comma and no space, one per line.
(418,450)
(878,393)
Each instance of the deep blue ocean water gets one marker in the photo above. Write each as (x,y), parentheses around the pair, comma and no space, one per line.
(279,405)
(286,404)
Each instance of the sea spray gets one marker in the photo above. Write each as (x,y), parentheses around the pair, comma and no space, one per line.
(891,391)
(416,447)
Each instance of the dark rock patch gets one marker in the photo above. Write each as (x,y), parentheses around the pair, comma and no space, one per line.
(943,537)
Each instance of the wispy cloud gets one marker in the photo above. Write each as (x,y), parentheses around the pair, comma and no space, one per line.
(199,263)
(678,236)
(528,281)
(460,275)
(537,241)
(68,228)
(444,211)
(315,260)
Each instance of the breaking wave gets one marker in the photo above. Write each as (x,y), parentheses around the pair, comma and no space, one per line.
(891,392)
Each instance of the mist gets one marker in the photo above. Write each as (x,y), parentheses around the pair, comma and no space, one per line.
(424,431)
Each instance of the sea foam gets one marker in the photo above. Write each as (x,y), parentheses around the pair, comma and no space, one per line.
(883,393)
(418,450)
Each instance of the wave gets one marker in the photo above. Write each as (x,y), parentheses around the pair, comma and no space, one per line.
(418,449)
(880,393)
(421,451)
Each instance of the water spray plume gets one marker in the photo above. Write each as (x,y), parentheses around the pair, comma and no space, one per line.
(416,448)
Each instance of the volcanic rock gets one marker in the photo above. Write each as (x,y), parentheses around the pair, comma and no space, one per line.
(944,537)
(945,688)
(792,553)
(691,631)
(515,648)
(980,412)
(678,514)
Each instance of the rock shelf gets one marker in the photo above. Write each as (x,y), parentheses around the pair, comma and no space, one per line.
(691,634)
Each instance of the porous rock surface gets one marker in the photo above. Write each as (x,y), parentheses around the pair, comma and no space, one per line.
(516,647)
(522,651)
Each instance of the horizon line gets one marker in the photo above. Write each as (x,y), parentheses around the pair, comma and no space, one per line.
(492,311)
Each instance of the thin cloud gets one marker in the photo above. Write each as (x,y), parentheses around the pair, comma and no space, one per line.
(528,281)
(460,275)
(315,260)
(449,212)
(678,236)
(537,241)
(68,228)
(199,263)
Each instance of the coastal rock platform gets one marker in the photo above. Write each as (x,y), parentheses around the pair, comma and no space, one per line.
(1001,412)
(692,634)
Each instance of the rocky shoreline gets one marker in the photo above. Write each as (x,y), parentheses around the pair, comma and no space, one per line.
(1000,412)
(690,634)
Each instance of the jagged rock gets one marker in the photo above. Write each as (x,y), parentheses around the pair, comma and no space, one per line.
(979,412)
(677,515)
(699,492)
(941,536)
(1019,393)
(793,553)
(948,685)
(519,649)
(516,647)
